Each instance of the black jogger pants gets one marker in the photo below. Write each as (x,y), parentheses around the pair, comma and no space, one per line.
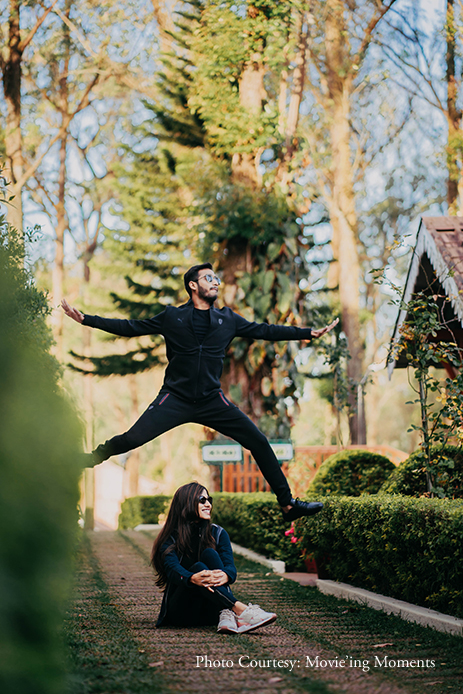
(191,605)
(168,411)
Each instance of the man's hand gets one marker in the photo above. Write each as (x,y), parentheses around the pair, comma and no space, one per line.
(326,329)
(73,313)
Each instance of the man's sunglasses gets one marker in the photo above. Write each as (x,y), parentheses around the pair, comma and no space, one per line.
(210,278)
(204,499)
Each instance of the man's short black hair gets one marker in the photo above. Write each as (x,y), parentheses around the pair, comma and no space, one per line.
(191,275)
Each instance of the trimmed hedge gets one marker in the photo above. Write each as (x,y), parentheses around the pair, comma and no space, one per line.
(410,549)
(252,520)
(142,509)
(410,477)
(351,473)
(40,468)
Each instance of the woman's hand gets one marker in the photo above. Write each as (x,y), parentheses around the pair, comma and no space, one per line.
(209,579)
(203,579)
(219,577)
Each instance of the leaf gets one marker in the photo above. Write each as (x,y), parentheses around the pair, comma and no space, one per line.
(267,284)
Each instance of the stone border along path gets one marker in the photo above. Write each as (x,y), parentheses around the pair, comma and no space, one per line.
(299,632)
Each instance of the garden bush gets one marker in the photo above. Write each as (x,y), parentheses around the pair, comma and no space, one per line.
(255,521)
(406,548)
(410,477)
(142,509)
(351,473)
(40,468)
(252,520)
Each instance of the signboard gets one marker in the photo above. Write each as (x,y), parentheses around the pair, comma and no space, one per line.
(232,452)
(222,453)
(283,450)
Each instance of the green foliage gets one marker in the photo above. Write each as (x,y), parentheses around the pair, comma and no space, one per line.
(40,468)
(142,509)
(255,521)
(336,387)
(219,186)
(250,224)
(226,37)
(446,469)
(148,253)
(251,520)
(406,548)
(351,473)
(442,415)
(27,305)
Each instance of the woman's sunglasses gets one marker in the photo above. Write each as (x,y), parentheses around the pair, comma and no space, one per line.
(204,499)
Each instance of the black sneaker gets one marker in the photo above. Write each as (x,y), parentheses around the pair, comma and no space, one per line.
(302,508)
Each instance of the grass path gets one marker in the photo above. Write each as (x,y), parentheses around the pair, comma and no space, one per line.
(115,647)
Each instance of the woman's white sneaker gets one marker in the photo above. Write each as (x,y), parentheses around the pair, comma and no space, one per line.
(227,622)
(253,617)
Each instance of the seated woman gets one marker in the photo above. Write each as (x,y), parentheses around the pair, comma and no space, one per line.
(193,559)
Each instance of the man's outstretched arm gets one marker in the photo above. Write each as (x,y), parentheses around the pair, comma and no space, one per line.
(115,326)
(276,333)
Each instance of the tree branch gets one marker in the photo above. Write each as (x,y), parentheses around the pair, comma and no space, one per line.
(369,31)
(84,102)
(26,41)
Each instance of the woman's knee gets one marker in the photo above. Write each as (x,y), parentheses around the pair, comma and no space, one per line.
(211,558)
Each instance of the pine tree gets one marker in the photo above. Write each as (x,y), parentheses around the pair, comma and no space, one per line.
(219,110)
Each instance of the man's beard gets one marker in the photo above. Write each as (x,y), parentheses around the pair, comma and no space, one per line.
(206,297)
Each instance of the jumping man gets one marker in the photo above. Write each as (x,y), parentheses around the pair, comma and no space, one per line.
(197,335)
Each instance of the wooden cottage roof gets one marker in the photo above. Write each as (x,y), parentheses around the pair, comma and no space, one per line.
(436,267)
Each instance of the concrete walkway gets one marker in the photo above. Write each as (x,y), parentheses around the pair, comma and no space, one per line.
(313,647)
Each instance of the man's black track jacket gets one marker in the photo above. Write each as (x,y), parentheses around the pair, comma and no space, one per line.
(194,369)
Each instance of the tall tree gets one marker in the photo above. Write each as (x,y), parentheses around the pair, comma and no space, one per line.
(223,94)
(424,51)
(11,66)
(341,33)
(81,92)
(454,114)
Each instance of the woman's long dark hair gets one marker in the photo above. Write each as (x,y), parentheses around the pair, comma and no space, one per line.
(183,513)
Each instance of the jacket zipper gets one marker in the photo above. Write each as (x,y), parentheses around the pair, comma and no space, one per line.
(199,370)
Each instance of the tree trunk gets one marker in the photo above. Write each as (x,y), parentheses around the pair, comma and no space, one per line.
(454,177)
(298,88)
(237,260)
(14,164)
(61,217)
(342,205)
(58,267)
(133,461)
(252,94)
(288,122)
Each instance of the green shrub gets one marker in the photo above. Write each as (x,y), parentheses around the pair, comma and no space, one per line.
(351,473)
(410,477)
(255,521)
(252,520)
(142,509)
(406,548)
(40,468)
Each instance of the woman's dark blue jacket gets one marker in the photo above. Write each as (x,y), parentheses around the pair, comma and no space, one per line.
(177,570)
